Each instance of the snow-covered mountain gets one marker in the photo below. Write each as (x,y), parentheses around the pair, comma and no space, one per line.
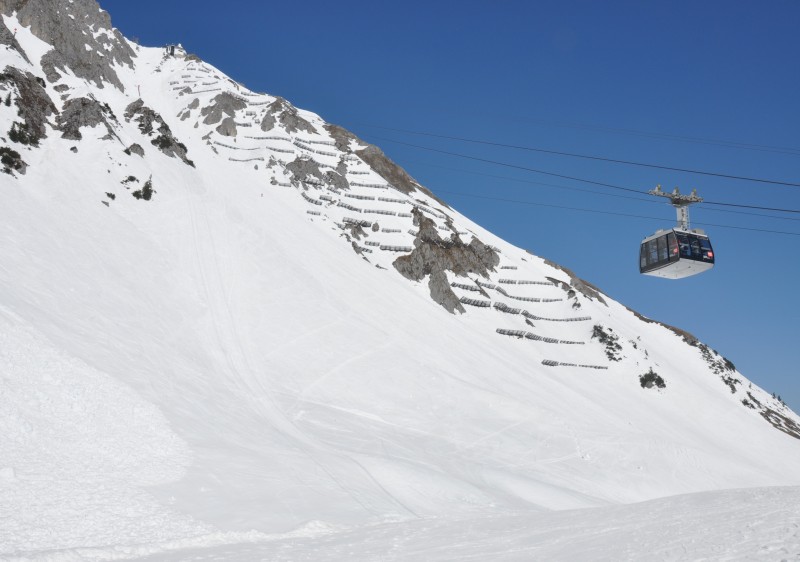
(223,317)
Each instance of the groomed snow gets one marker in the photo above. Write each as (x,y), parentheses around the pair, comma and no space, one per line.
(731,525)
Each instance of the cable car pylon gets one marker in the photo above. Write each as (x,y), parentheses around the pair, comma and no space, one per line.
(681,251)
(680,202)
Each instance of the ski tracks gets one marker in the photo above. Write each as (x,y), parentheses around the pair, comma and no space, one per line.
(237,368)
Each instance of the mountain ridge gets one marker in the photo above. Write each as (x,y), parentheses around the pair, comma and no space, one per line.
(265,291)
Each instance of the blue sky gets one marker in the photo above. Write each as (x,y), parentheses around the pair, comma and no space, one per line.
(669,83)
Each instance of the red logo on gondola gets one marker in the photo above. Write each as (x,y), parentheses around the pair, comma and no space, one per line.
(711,254)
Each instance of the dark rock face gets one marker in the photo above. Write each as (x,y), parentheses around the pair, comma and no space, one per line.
(223,104)
(34,106)
(286,114)
(7,38)
(584,287)
(388,170)
(380,163)
(82,36)
(341,137)
(152,125)
(781,422)
(268,123)
(228,127)
(336,180)
(136,149)
(304,168)
(11,161)
(433,256)
(84,112)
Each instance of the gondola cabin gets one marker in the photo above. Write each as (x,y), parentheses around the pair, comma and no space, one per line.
(675,254)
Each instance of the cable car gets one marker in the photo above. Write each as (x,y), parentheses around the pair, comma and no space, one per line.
(679,252)
(675,254)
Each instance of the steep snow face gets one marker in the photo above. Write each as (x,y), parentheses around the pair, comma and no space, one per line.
(233,316)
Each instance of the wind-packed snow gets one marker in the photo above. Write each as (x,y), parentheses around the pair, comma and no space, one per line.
(234,370)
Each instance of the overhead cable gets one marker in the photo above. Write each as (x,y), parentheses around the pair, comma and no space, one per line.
(584,180)
(590,157)
(515,201)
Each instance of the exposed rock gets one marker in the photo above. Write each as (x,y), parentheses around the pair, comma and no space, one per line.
(304,168)
(227,128)
(388,170)
(609,340)
(686,336)
(163,139)
(341,136)
(442,293)
(12,161)
(268,123)
(7,38)
(84,112)
(61,88)
(336,180)
(355,230)
(135,148)
(379,162)
(433,256)
(146,192)
(34,106)
(781,422)
(584,287)
(222,104)
(288,117)
(651,379)
(82,36)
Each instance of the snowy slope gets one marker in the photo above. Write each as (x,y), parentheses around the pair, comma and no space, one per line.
(288,334)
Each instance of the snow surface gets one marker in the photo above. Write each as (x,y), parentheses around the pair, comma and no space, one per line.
(215,373)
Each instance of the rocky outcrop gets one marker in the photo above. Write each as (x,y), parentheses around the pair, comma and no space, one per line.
(136,149)
(34,106)
(84,112)
(153,126)
(432,256)
(268,123)
(11,161)
(64,25)
(228,127)
(781,421)
(584,287)
(281,111)
(224,104)
(302,169)
(336,180)
(342,137)
(396,176)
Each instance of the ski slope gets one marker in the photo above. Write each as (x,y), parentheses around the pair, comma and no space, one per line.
(236,369)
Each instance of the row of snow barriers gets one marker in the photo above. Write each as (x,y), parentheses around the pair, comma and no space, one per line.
(529,336)
(505,293)
(502,307)
(551,363)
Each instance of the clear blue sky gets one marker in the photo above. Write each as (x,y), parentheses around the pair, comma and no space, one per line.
(633,80)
